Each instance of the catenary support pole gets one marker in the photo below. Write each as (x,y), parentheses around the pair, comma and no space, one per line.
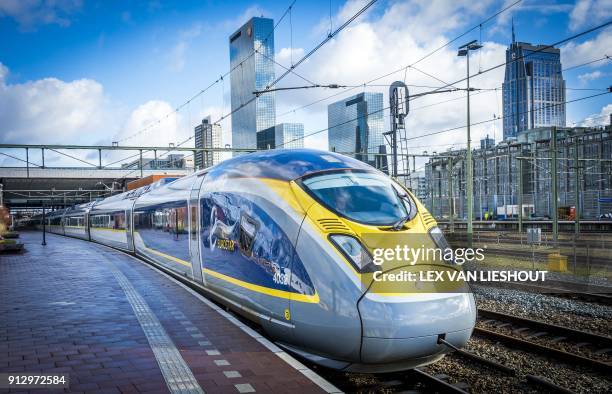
(520,195)
(451,210)
(577,185)
(553,177)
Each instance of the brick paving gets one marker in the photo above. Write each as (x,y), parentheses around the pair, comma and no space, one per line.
(62,310)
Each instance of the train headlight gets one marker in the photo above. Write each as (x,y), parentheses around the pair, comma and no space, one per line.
(354,252)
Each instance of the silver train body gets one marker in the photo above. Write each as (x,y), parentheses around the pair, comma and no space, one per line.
(258,233)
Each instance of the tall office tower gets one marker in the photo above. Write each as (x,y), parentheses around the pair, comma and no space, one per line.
(281,136)
(356,126)
(207,135)
(533,89)
(252,64)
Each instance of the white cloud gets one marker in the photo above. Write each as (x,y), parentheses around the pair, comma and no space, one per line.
(30,13)
(378,44)
(587,13)
(542,7)
(157,119)
(600,119)
(286,55)
(52,111)
(3,72)
(252,11)
(587,77)
(177,54)
(577,53)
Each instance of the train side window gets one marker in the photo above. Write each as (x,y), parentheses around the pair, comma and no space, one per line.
(248,230)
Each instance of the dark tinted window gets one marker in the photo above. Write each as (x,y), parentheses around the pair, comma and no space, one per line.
(365,197)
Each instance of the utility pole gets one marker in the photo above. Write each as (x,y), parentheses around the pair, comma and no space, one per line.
(520,195)
(577,184)
(451,211)
(553,177)
(465,51)
(140,161)
(432,189)
(398,113)
(44,219)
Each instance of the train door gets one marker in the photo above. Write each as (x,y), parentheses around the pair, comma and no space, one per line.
(129,228)
(194,230)
(86,223)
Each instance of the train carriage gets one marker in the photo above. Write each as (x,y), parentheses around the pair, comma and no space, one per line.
(281,237)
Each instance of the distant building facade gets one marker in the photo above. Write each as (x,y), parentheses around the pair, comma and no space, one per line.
(251,61)
(171,161)
(356,124)
(417,183)
(281,136)
(533,88)
(496,174)
(207,135)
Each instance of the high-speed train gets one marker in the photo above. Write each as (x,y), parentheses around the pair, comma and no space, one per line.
(284,237)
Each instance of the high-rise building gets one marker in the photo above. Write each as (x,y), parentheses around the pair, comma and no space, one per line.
(356,125)
(533,89)
(252,64)
(487,142)
(281,136)
(207,135)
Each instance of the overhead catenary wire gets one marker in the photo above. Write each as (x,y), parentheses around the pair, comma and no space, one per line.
(201,92)
(577,35)
(310,53)
(441,131)
(415,108)
(503,117)
(331,35)
(531,53)
(405,68)
(302,59)
(220,79)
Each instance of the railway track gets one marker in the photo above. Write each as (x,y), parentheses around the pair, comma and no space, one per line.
(565,344)
(603,242)
(542,256)
(519,334)
(560,289)
(413,381)
(535,381)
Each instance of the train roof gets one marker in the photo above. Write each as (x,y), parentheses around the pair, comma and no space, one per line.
(284,164)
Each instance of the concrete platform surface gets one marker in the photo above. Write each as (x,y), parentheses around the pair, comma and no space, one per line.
(113,324)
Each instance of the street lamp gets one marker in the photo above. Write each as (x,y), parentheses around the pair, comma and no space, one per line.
(464,50)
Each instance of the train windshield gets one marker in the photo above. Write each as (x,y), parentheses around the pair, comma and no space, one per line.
(364,197)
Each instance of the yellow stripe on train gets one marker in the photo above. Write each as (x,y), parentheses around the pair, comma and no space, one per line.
(265,290)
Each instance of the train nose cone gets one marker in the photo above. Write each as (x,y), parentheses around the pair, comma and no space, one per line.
(405,328)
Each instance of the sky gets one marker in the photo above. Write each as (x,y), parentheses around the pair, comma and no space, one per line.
(94,72)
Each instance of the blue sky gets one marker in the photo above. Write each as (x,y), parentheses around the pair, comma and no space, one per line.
(105,69)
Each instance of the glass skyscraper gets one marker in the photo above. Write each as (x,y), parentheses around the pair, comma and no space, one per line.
(533,89)
(251,61)
(356,124)
(281,136)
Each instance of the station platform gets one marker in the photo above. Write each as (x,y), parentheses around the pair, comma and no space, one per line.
(114,324)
